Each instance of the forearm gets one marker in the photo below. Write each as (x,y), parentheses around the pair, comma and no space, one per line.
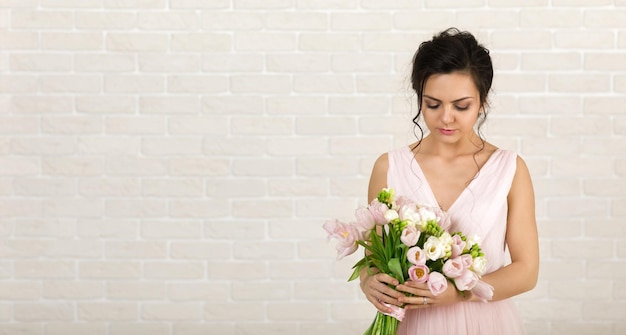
(511,280)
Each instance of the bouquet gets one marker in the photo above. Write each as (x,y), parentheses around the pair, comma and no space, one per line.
(410,242)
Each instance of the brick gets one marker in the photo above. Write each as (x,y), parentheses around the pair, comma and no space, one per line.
(297,63)
(361,105)
(108,228)
(269,4)
(237,20)
(105,104)
(209,126)
(169,63)
(63,290)
(476,20)
(129,290)
(232,270)
(417,20)
(45,228)
(168,104)
(42,19)
(589,39)
(197,84)
(325,125)
(178,271)
(362,63)
(134,84)
(553,61)
(326,167)
(70,83)
(200,250)
(109,311)
(198,208)
(135,250)
(136,42)
(30,269)
(194,4)
(269,84)
(508,39)
(71,125)
(265,41)
(172,188)
(261,208)
(324,42)
(44,186)
(79,41)
(201,42)
(134,166)
(579,83)
(289,146)
(71,4)
(155,229)
(70,328)
(301,20)
(276,291)
(19,125)
(109,270)
(135,125)
(168,21)
(41,146)
(99,20)
(161,146)
(542,18)
(240,187)
(142,208)
(110,146)
(327,4)
(230,62)
(568,208)
(203,328)
(109,187)
(546,105)
(136,4)
(20,291)
(360,21)
(29,312)
(40,63)
(240,229)
(605,19)
(24,40)
(200,167)
(393,42)
(244,311)
(198,291)
(18,84)
(296,311)
(72,166)
(262,167)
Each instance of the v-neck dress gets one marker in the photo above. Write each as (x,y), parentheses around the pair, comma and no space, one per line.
(480,209)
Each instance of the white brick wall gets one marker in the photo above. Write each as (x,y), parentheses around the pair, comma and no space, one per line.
(167,164)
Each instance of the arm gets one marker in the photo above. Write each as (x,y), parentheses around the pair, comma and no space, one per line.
(375,286)
(522,239)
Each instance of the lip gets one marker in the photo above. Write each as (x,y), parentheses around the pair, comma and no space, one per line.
(446,131)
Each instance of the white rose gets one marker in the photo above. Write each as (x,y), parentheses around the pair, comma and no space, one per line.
(479,265)
(409,214)
(391,215)
(427,214)
(471,240)
(434,249)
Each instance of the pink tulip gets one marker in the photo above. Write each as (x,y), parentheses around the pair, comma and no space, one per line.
(443,219)
(416,256)
(437,283)
(483,291)
(419,273)
(457,246)
(378,209)
(346,235)
(396,312)
(466,281)
(467,260)
(364,222)
(453,267)
(410,236)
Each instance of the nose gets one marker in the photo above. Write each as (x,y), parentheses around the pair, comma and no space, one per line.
(447,116)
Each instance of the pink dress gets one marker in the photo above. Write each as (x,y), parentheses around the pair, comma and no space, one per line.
(481,209)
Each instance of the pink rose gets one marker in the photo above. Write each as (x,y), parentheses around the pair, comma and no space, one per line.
(453,267)
(346,235)
(483,291)
(466,281)
(378,209)
(416,256)
(457,246)
(419,273)
(437,283)
(410,236)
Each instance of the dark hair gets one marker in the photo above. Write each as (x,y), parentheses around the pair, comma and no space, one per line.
(452,51)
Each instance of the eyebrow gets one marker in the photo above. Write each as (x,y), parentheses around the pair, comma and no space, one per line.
(457,100)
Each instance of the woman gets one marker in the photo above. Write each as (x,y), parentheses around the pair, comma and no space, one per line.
(486,191)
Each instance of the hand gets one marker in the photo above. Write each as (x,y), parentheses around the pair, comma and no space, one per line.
(421,297)
(378,288)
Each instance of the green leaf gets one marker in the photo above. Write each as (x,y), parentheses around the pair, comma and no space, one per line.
(396,269)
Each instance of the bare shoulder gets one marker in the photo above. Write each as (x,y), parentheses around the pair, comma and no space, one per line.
(378,178)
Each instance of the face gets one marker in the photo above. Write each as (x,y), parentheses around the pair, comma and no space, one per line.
(450,106)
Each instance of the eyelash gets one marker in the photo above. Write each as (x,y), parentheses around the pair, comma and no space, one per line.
(457,107)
